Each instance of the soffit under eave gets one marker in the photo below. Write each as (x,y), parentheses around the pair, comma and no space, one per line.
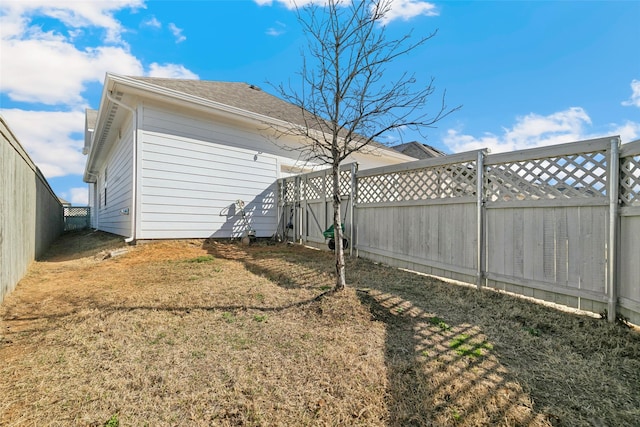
(107,124)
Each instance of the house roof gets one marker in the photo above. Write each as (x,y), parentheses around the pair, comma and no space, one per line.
(418,150)
(245,96)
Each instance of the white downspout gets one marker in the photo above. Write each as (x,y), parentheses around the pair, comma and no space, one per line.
(93,211)
(134,113)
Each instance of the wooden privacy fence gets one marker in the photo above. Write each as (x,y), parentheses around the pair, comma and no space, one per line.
(560,223)
(31,216)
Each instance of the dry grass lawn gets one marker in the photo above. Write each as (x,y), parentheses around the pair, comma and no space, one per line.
(188,333)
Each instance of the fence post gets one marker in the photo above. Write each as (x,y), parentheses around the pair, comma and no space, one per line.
(304,211)
(296,210)
(480,214)
(352,195)
(613,181)
(280,208)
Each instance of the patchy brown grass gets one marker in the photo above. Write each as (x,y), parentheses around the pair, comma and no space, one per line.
(211,333)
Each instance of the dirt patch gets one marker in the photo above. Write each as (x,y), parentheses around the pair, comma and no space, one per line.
(211,333)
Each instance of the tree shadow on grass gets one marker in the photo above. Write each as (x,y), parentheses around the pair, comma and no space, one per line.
(287,266)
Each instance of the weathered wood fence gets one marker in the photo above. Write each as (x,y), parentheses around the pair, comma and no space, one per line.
(560,223)
(31,216)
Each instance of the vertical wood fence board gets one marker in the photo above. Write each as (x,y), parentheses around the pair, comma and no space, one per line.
(518,243)
(561,246)
(598,268)
(586,242)
(549,245)
(508,242)
(538,250)
(495,254)
(444,231)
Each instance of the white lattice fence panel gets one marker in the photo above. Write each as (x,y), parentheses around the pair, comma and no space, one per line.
(289,191)
(313,188)
(630,180)
(345,182)
(580,175)
(439,182)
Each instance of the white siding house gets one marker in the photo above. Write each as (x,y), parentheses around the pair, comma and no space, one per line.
(169,158)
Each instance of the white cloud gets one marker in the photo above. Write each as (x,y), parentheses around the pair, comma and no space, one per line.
(529,131)
(173,71)
(289,4)
(635,94)
(48,138)
(68,69)
(628,132)
(177,32)
(77,14)
(152,22)
(277,30)
(399,9)
(79,196)
(407,9)
(534,130)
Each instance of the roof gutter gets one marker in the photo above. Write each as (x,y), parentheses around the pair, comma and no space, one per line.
(134,114)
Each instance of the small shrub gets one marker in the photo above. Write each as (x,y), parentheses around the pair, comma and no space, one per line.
(113,421)
(436,321)
(533,331)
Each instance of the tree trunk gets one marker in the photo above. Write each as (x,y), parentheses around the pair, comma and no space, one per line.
(337,229)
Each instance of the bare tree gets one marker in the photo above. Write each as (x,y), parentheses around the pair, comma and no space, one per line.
(346,98)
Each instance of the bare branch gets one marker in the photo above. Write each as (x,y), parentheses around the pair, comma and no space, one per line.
(347,100)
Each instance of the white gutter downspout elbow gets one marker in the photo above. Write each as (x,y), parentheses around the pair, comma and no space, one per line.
(134,113)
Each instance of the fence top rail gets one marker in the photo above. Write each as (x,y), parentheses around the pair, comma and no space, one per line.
(7,134)
(579,147)
(630,149)
(467,156)
(319,172)
(326,171)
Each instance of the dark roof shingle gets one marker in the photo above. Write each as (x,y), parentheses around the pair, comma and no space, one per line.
(235,94)
(418,150)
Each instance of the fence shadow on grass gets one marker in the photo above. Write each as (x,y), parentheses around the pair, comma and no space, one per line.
(439,372)
(444,374)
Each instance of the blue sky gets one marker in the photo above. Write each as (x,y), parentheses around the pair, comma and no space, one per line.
(527,74)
